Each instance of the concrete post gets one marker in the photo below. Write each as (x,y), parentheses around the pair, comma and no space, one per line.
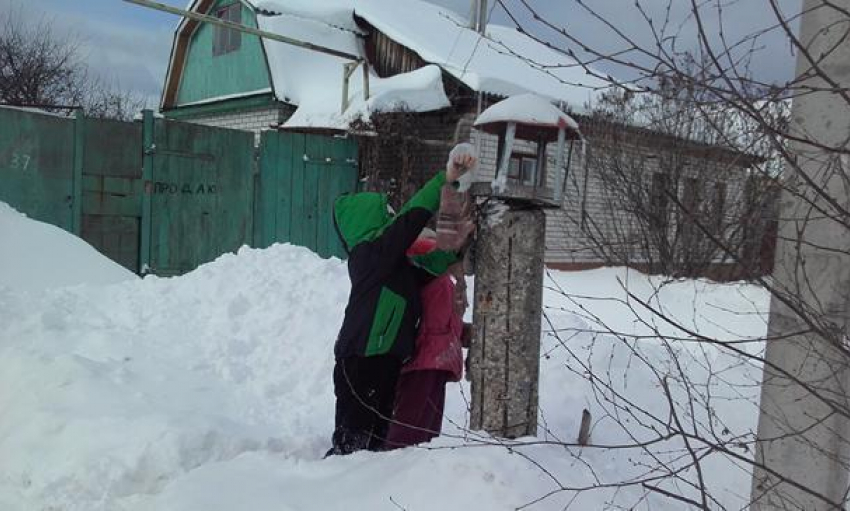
(505,353)
(801,442)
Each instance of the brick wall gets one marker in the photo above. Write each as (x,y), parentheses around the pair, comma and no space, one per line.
(249,120)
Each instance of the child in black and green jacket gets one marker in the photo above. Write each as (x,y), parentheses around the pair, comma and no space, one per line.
(383,311)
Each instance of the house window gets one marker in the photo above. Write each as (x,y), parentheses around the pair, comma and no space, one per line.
(689,213)
(226,40)
(659,201)
(719,205)
(523,169)
(690,200)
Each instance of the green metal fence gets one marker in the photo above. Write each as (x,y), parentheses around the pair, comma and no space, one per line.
(37,165)
(300,176)
(163,196)
(201,194)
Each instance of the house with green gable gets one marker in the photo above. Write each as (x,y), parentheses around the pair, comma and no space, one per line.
(412,90)
(415,56)
(221,77)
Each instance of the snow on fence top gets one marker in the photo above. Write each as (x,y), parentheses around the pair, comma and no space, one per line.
(505,63)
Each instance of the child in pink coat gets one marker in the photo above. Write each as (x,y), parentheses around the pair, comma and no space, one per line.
(437,359)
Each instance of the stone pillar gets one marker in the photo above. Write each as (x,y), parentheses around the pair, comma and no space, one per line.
(505,352)
(800,438)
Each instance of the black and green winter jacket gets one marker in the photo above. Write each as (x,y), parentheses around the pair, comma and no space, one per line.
(384,305)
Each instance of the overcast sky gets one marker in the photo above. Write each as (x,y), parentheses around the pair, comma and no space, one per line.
(130,45)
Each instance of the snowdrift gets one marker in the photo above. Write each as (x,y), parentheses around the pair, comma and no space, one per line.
(35,255)
(212,391)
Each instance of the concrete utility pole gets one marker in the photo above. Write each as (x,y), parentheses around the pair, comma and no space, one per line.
(802,442)
(507,307)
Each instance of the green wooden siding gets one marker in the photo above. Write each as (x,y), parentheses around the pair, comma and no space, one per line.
(241,71)
(300,177)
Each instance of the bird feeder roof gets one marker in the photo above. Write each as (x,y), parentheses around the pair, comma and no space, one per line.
(536,118)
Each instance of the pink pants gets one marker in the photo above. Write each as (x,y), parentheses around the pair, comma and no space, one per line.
(418,413)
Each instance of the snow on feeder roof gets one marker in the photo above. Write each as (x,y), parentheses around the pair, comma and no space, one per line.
(535,118)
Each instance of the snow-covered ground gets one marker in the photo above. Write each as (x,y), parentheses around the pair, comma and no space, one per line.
(212,391)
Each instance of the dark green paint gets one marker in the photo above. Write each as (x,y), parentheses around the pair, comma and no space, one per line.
(223,107)
(147,184)
(79,143)
(300,176)
(112,189)
(36,165)
(201,194)
(129,184)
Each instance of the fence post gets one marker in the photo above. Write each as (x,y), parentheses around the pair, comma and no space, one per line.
(77,176)
(257,197)
(148,148)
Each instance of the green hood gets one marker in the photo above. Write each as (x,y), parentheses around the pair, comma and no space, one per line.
(361,217)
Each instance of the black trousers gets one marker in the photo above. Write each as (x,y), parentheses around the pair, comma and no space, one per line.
(365,395)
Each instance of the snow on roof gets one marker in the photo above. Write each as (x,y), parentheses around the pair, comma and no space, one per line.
(313,81)
(417,91)
(526,109)
(504,63)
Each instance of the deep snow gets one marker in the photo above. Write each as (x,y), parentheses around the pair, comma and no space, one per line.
(35,255)
(212,391)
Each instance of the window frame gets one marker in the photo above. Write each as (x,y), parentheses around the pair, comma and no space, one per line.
(519,176)
(227,40)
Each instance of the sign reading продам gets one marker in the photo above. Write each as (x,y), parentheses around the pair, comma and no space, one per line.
(166,188)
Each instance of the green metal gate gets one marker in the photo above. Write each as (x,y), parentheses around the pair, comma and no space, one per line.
(38,164)
(112,188)
(300,176)
(198,194)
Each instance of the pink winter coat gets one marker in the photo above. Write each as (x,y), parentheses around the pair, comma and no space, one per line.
(438,342)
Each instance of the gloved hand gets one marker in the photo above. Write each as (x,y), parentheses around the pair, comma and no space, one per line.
(461,165)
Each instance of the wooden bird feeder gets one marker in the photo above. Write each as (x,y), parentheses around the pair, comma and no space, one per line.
(521,174)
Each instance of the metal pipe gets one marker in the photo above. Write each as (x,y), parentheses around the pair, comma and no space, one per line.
(482,16)
(559,167)
(366,93)
(242,28)
(501,180)
(347,70)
